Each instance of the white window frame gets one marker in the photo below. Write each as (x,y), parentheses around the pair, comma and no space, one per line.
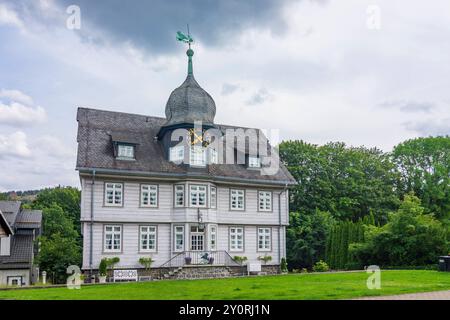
(116,230)
(175,240)
(125,151)
(213,156)
(237,196)
(234,234)
(176,153)
(194,190)
(213,197)
(149,231)
(115,188)
(197,156)
(265,201)
(5,246)
(213,237)
(264,239)
(179,192)
(254,162)
(150,189)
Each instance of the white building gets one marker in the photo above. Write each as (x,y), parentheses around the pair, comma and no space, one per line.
(163,188)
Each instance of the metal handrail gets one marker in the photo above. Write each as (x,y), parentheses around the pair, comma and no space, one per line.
(195,258)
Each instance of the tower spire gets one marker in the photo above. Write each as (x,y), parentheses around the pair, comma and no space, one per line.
(187,39)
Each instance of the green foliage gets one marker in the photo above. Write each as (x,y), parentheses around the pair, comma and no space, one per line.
(341,235)
(321,266)
(409,238)
(103,267)
(55,220)
(283,265)
(60,240)
(68,198)
(146,262)
(56,254)
(240,259)
(306,238)
(424,164)
(348,182)
(265,258)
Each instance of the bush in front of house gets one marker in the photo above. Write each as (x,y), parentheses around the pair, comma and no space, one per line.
(321,266)
(283,265)
(146,262)
(240,259)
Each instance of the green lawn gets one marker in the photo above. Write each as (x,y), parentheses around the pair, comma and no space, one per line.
(294,286)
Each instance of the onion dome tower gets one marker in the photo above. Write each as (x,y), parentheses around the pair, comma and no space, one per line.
(190,102)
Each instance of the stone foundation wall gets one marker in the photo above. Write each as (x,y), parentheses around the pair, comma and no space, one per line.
(189,272)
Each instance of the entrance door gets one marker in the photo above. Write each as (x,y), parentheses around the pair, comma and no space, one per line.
(15,281)
(197,238)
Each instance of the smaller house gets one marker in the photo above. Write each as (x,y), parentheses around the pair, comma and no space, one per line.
(19,229)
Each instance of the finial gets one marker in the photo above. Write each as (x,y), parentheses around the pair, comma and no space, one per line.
(187,39)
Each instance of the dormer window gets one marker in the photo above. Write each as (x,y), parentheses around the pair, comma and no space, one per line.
(213,156)
(125,151)
(254,162)
(198,156)
(176,154)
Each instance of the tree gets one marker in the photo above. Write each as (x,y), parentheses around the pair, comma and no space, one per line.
(56,254)
(306,238)
(424,165)
(348,182)
(56,221)
(410,238)
(68,198)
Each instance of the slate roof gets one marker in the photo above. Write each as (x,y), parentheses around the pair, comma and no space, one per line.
(190,102)
(21,252)
(10,209)
(29,219)
(5,225)
(26,224)
(95,150)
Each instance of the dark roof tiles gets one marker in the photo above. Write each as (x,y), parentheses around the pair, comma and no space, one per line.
(95,150)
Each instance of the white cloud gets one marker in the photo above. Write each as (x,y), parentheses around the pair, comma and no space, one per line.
(14,145)
(17,114)
(55,148)
(9,17)
(16,95)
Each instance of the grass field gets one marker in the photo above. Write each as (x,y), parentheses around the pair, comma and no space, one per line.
(293,286)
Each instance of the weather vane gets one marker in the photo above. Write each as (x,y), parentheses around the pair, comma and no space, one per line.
(185,38)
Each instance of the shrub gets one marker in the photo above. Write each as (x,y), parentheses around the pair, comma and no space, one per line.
(283,265)
(321,266)
(265,259)
(146,262)
(102,268)
(240,259)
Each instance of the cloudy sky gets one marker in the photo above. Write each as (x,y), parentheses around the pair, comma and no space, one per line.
(370,73)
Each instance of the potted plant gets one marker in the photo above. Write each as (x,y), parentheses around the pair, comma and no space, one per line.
(265,258)
(187,260)
(283,266)
(102,271)
(146,263)
(240,260)
(211,260)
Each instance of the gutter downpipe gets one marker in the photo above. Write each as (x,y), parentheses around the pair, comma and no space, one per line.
(279,222)
(91,223)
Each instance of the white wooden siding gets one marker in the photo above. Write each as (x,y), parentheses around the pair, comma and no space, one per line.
(130,254)
(131,215)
